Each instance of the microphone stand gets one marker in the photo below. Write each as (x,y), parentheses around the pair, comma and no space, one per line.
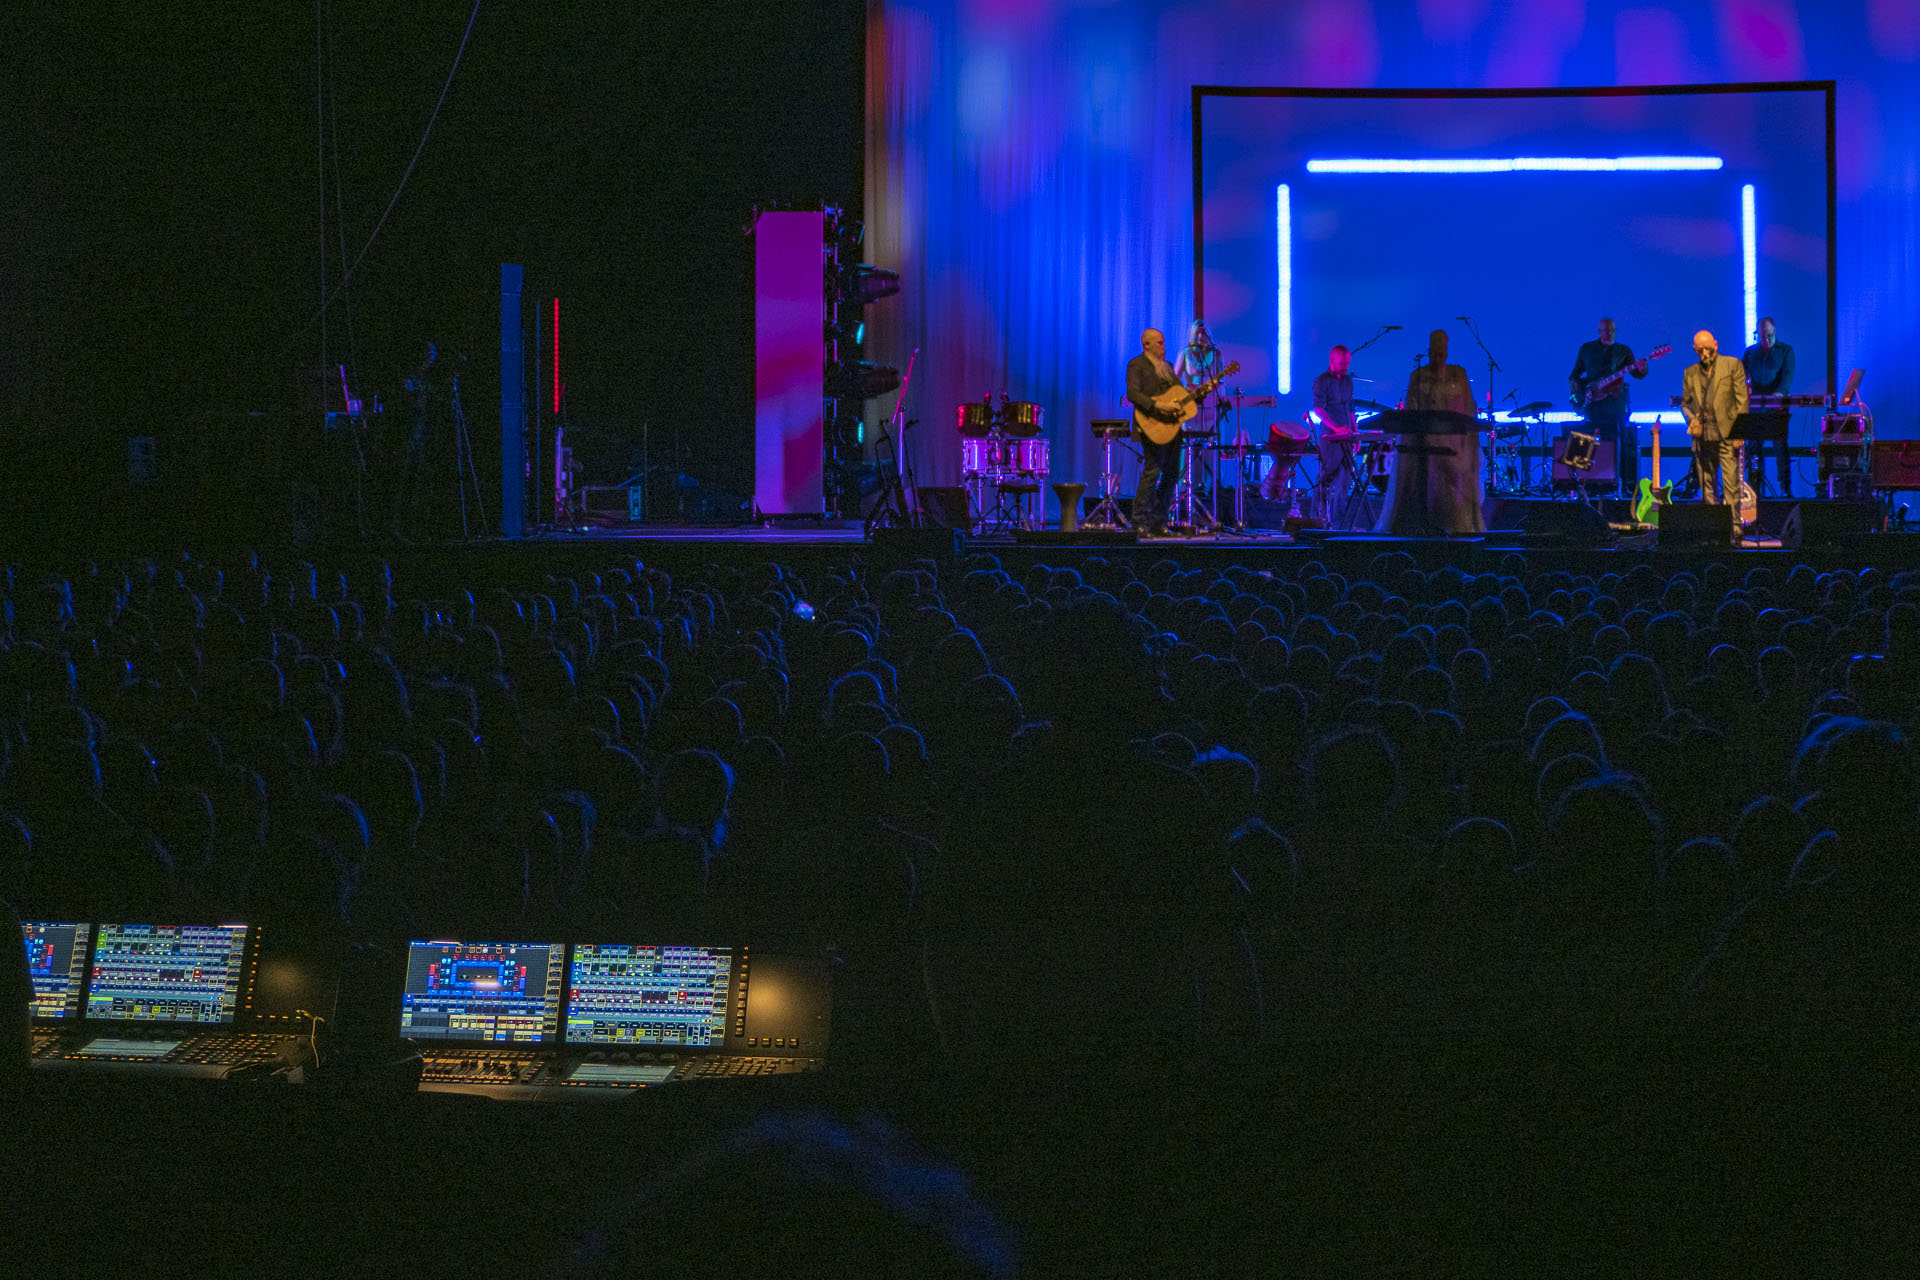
(899,501)
(1385,329)
(1493,367)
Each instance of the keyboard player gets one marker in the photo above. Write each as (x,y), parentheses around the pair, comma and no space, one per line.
(1333,408)
(1769,365)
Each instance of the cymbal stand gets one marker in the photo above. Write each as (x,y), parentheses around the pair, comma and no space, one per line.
(1106,513)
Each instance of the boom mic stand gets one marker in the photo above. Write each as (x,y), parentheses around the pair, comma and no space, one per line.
(1493,367)
(899,502)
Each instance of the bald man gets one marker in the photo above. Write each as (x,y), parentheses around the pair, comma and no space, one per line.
(1713,392)
(1149,375)
(1608,416)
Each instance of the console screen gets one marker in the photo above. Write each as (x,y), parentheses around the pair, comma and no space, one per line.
(57,959)
(619,994)
(166,973)
(494,991)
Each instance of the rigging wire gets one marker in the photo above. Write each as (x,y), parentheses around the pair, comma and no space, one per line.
(339,213)
(347,276)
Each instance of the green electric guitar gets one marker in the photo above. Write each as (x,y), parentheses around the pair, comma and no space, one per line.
(1651,495)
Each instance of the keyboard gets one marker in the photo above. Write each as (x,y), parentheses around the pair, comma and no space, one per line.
(507,1076)
(189,1056)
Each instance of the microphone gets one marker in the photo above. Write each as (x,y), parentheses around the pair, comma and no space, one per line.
(1464,319)
(1391,327)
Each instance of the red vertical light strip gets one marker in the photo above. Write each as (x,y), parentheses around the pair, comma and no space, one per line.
(556,355)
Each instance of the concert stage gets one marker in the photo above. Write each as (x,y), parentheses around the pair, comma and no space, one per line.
(810,543)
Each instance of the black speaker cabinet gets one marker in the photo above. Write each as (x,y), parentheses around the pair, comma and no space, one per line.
(1828,524)
(1696,524)
(1543,522)
(945,506)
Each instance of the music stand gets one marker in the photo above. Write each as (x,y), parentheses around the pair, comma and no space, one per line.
(1419,431)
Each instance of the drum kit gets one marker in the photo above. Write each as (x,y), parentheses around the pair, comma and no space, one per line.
(1003,462)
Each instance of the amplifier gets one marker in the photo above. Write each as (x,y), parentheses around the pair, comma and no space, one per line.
(1605,471)
(1852,486)
(1896,465)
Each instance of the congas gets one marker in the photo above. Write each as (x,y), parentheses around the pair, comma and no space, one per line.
(1287,442)
(973,419)
(1028,457)
(1020,418)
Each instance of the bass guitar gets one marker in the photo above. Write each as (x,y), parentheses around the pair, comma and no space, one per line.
(1184,402)
(1596,390)
(1652,495)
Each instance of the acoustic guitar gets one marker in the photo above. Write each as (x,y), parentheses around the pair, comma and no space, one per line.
(1183,401)
(1596,390)
(1652,495)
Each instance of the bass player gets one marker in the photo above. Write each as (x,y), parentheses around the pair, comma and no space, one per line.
(1607,413)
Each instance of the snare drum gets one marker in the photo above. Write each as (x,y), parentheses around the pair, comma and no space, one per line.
(983,456)
(1020,418)
(1028,457)
(973,419)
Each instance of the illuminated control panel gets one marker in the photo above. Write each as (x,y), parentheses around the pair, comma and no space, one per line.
(483,991)
(166,973)
(635,995)
(57,959)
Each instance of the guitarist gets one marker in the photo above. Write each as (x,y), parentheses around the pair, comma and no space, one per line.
(1607,416)
(1712,394)
(1149,375)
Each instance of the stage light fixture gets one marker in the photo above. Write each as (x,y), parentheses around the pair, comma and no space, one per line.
(1749,266)
(862,380)
(1283,232)
(1523,164)
(864,283)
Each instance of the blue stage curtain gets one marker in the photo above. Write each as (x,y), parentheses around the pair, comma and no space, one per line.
(1029,167)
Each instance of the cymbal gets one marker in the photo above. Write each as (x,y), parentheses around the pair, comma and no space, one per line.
(1374,405)
(1537,406)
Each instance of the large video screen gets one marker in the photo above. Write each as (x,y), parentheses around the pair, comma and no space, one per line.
(1322,218)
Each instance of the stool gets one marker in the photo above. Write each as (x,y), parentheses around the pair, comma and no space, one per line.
(1013,508)
(1069,496)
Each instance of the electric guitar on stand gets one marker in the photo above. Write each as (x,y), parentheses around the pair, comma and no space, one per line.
(1652,495)
(1181,400)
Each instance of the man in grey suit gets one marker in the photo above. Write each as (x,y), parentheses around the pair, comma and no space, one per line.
(1149,375)
(1712,394)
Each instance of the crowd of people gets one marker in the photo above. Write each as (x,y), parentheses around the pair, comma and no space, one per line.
(1056,808)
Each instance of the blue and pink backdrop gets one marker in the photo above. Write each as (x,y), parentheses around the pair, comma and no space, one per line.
(1030,173)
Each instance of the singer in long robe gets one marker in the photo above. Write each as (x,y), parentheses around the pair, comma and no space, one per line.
(1429,493)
